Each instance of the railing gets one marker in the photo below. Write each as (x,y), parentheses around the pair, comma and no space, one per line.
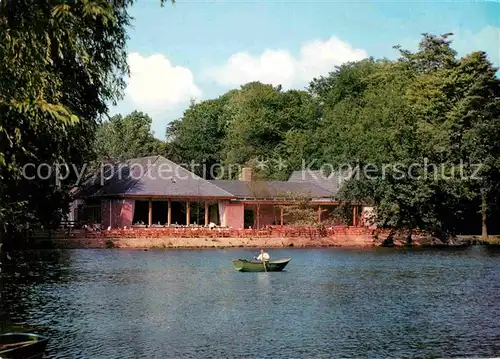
(61,233)
(66,229)
(68,224)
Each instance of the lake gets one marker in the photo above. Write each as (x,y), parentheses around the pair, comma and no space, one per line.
(373,303)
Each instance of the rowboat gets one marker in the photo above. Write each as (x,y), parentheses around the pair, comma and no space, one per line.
(243,265)
(22,346)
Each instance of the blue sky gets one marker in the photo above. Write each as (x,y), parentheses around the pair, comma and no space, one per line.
(200,49)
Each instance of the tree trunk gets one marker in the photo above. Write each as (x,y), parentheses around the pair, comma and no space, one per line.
(484,217)
(409,239)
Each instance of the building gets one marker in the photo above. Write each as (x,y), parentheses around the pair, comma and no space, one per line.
(153,191)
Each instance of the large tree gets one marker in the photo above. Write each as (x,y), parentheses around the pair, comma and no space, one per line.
(262,118)
(249,126)
(198,137)
(423,122)
(458,105)
(125,137)
(62,64)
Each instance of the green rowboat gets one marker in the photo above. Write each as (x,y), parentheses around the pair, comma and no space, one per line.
(243,265)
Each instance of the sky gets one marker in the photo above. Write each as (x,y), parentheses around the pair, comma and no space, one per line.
(201,49)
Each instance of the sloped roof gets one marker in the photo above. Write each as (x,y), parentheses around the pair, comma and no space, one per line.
(270,189)
(331,182)
(149,176)
(158,176)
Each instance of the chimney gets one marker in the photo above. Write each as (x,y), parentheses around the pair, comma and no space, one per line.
(246,174)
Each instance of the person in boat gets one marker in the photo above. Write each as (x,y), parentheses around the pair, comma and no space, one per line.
(263,256)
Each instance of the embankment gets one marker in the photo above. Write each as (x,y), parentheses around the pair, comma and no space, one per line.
(355,241)
(348,237)
(339,240)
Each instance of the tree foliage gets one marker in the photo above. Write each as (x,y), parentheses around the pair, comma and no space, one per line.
(244,126)
(199,136)
(299,212)
(420,126)
(430,110)
(126,137)
(61,64)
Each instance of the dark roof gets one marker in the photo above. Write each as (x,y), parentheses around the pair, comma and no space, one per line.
(331,182)
(270,189)
(149,176)
(157,176)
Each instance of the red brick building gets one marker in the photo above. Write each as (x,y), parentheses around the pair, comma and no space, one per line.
(153,191)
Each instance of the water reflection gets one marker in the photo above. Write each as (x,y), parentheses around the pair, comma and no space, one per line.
(263,281)
(21,271)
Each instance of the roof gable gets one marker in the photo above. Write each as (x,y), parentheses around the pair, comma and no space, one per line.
(151,176)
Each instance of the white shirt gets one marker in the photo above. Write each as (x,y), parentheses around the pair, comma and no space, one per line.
(263,256)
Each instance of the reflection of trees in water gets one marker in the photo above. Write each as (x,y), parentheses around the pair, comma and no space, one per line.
(21,272)
(492,251)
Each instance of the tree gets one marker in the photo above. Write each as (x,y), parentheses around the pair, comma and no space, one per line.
(61,65)
(300,212)
(369,129)
(255,123)
(258,190)
(126,137)
(198,137)
(347,81)
(261,118)
(459,110)
(427,109)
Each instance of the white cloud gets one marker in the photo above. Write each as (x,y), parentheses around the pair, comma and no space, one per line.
(280,67)
(487,39)
(155,84)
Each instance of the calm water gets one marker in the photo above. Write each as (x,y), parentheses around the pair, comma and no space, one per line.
(191,304)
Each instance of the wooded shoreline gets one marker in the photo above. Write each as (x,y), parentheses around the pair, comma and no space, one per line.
(416,138)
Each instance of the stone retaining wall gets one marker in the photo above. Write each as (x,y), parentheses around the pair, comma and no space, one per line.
(176,242)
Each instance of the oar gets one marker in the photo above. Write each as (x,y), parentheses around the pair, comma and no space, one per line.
(4,346)
(264,263)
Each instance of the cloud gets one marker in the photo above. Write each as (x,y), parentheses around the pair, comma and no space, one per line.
(487,39)
(155,84)
(280,67)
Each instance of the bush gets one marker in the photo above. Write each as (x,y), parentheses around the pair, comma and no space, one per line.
(110,244)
